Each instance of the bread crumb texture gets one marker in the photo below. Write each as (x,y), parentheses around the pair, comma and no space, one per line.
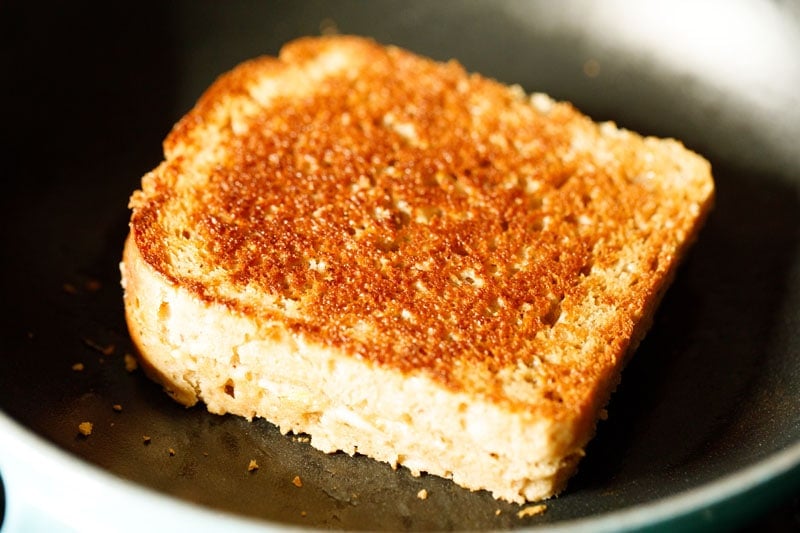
(406,260)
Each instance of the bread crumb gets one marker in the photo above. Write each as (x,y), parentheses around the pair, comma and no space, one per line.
(603,415)
(328,26)
(297,482)
(146,439)
(69,288)
(117,407)
(85,428)
(532,510)
(591,68)
(78,367)
(92,285)
(130,363)
(253,466)
(171,452)
(497,512)
(105,350)
(422,494)
(303,513)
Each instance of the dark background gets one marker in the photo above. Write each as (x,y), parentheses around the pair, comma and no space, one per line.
(90,90)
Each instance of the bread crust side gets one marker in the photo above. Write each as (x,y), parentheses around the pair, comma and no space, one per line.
(204,351)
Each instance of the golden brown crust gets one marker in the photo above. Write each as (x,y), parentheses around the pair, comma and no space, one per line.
(424,219)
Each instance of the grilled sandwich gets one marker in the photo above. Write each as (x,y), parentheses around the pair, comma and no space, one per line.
(405,260)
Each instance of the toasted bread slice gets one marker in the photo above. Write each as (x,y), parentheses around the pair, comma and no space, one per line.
(405,260)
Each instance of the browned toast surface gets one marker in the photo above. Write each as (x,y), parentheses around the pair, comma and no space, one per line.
(424,220)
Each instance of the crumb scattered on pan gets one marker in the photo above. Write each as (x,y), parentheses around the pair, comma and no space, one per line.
(69,288)
(105,350)
(253,466)
(303,513)
(205,454)
(422,494)
(497,512)
(532,510)
(92,285)
(591,68)
(146,439)
(130,363)
(117,407)
(603,414)
(297,482)
(302,438)
(328,26)
(77,367)
(171,452)
(85,428)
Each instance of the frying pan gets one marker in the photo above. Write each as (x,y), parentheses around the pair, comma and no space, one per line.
(704,430)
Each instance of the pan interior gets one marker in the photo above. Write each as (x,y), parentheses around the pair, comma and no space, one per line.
(713,389)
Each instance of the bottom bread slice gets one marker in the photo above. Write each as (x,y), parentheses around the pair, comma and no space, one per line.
(202,350)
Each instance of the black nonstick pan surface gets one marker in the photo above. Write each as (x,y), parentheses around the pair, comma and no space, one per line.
(704,431)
